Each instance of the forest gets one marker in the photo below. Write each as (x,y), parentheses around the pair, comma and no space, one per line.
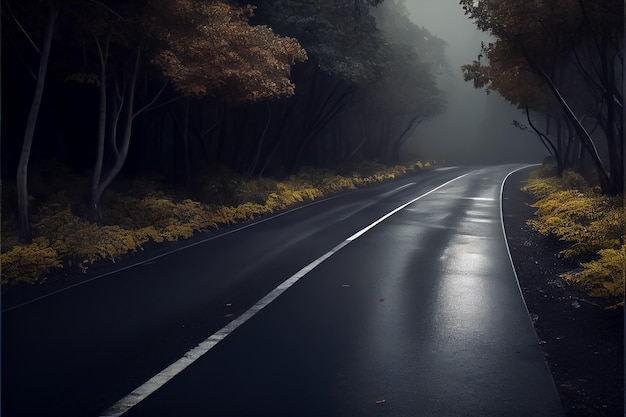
(125,123)
(562,61)
(187,95)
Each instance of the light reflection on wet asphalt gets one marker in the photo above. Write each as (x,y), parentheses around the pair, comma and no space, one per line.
(421,316)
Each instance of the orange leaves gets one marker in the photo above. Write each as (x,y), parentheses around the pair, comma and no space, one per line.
(540,31)
(210,46)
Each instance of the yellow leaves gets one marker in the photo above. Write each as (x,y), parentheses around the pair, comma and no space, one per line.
(242,212)
(156,211)
(590,222)
(540,186)
(604,277)
(81,243)
(211,46)
(286,196)
(142,213)
(28,263)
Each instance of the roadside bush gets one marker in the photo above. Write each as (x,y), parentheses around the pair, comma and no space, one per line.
(28,263)
(243,212)
(162,213)
(80,243)
(592,224)
(604,277)
(285,196)
(541,187)
(141,210)
(336,183)
(588,221)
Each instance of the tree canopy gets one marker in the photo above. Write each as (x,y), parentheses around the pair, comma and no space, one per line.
(210,46)
(564,59)
(176,87)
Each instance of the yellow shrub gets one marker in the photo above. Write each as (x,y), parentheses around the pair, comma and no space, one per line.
(285,196)
(589,221)
(592,224)
(139,211)
(231,215)
(541,187)
(605,277)
(174,231)
(399,170)
(157,211)
(81,243)
(28,263)
(336,183)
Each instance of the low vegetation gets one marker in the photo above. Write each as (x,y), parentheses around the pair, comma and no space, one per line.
(142,211)
(592,224)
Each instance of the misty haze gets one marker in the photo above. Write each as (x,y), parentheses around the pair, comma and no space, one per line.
(476,128)
(312,208)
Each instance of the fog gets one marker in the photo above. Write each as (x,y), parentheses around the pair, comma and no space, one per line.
(475,128)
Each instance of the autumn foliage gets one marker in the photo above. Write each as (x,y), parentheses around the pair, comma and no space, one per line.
(210,46)
(561,62)
(592,224)
(140,213)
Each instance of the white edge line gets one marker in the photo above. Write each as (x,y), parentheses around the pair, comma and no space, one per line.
(184,247)
(395,190)
(506,242)
(162,255)
(157,381)
(547,368)
(391,213)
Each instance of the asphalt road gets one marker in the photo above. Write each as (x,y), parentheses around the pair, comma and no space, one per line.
(417,315)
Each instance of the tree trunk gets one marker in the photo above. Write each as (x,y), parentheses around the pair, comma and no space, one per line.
(22,169)
(122,152)
(324,115)
(606,184)
(546,142)
(102,120)
(404,136)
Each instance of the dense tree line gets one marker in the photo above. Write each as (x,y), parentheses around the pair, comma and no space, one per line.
(110,87)
(561,61)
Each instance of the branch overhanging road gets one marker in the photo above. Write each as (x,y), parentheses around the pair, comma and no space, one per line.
(404,303)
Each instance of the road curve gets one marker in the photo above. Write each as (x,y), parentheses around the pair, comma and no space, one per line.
(421,315)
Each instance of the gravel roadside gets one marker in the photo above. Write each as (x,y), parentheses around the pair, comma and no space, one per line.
(583,341)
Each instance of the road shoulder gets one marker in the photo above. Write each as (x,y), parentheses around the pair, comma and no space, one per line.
(583,341)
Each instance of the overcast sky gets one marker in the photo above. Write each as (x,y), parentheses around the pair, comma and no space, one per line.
(476,128)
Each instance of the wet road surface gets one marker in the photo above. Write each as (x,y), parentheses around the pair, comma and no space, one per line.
(420,315)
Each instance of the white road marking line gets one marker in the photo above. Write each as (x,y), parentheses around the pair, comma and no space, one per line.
(391,213)
(506,241)
(157,381)
(395,190)
(153,259)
